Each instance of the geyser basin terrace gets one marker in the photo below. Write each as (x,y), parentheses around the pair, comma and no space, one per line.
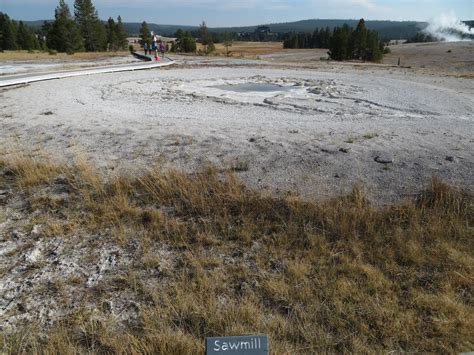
(317,135)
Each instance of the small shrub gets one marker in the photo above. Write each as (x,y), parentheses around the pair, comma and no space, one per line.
(52,52)
(240,165)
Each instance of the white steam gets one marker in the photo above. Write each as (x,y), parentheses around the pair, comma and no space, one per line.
(448,28)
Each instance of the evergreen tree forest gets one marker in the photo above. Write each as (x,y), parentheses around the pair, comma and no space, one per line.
(344,43)
(185,42)
(145,34)
(16,35)
(77,31)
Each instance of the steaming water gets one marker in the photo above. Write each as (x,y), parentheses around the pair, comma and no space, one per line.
(448,28)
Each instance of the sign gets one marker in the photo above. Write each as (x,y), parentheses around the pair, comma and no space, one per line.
(242,345)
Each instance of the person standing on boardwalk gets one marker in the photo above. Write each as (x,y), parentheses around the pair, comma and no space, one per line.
(162,48)
(145,47)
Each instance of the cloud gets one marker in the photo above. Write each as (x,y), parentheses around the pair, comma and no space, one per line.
(364,4)
(211,4)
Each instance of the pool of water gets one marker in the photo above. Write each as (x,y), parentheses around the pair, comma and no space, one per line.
(253,87)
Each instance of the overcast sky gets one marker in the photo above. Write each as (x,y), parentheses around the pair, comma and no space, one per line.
(248,12)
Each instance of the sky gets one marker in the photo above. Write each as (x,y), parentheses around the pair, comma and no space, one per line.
(227,13)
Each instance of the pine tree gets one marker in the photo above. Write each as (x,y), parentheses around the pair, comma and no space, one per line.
(185,42)
(112,41)
(121,34)
(206,38)
(227,41)
(7,35)
(63,34)
(189,43)
(92,29)
(326,38)
(359,40)
(14,28)
(316,39)
(44,34)
(25,38)
(339,43)
(373,51)
(177,44)
(145,36)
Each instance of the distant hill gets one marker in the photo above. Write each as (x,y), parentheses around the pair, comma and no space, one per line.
(386,29)
(133,28)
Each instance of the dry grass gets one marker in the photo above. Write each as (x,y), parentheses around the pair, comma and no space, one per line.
(39,55)
(247,49)
(442,58)
(333,276)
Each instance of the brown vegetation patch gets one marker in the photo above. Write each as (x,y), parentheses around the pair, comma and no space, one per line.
(248,49)
(41,55)
(196,255)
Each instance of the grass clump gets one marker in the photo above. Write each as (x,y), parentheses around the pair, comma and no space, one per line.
(206,256)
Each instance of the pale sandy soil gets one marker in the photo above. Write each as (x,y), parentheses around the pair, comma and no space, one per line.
(317,138)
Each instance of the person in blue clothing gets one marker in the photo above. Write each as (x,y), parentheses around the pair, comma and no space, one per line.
(154,49)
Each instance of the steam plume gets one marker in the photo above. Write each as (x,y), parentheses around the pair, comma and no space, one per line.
(448,28)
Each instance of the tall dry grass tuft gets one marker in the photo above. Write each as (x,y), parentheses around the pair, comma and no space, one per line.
(208,257)
(29,171)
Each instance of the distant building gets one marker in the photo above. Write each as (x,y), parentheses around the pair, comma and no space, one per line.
(260,34)
(264,33)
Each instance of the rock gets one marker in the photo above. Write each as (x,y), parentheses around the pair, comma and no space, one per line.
(8,172)
(329,150)
(36,229)
(384,159)
(34,255)
(451,159)
(252,140)
(344,150)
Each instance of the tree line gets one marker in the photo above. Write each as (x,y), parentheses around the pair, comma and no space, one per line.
(186,40)
(83,31)
(16,35)
(344,43)
(318,39)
